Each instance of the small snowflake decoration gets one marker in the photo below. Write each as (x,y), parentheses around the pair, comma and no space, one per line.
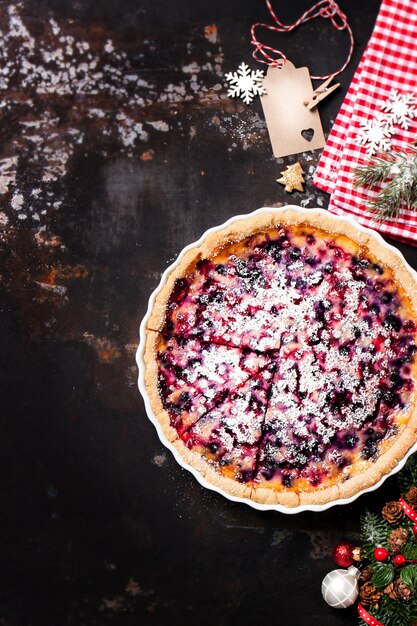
(397,110)
(245,83)
(375,134)
(400,108)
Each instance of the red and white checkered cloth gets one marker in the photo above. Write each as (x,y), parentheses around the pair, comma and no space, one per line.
(389,62)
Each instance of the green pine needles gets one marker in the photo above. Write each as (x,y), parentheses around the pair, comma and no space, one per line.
(394,612)
(374,532)
(393,176)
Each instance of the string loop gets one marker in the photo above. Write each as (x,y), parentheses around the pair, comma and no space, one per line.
(327,9)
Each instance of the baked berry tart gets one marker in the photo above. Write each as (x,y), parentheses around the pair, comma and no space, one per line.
(279,358)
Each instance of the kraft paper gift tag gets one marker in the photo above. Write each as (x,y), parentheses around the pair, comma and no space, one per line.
(291,126)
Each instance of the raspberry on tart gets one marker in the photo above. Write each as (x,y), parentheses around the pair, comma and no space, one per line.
(280,358)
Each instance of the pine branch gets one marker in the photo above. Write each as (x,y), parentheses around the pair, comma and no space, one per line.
(394,177)
(374,531)
(408,475)
(393,612)
(413,611)
(376,171)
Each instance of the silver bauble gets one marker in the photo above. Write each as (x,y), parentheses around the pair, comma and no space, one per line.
(340,587)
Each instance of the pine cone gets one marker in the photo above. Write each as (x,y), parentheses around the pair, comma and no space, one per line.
(397,590)
(398,538)
(366,573)
(411,497)
(369,594)
(391,591)
(393,512)
(404,592)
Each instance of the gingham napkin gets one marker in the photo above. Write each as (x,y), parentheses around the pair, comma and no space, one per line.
(389,62)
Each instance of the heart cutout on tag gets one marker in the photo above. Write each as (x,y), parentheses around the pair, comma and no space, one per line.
(308,134)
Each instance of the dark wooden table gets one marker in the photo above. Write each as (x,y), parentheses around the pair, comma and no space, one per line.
(118,147)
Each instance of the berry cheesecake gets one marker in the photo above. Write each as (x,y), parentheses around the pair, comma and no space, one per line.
(280,358)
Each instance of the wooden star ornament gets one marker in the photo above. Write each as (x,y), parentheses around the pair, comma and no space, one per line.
(292,178)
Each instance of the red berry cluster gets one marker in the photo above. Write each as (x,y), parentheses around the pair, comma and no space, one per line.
(381,554)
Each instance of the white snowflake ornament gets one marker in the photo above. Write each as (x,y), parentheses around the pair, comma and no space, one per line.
(245,83)
(375,134)
(400,109)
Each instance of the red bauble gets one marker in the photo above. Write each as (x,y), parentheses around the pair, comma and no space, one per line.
(400,559)
(415,529)
(342,554)
(381,554)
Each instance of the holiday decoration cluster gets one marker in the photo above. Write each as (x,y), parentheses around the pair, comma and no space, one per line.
(386,578)
(388,582)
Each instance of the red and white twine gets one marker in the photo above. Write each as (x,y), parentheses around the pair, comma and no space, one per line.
(327,9)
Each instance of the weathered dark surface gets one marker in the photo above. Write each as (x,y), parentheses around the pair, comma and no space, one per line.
(99,525)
